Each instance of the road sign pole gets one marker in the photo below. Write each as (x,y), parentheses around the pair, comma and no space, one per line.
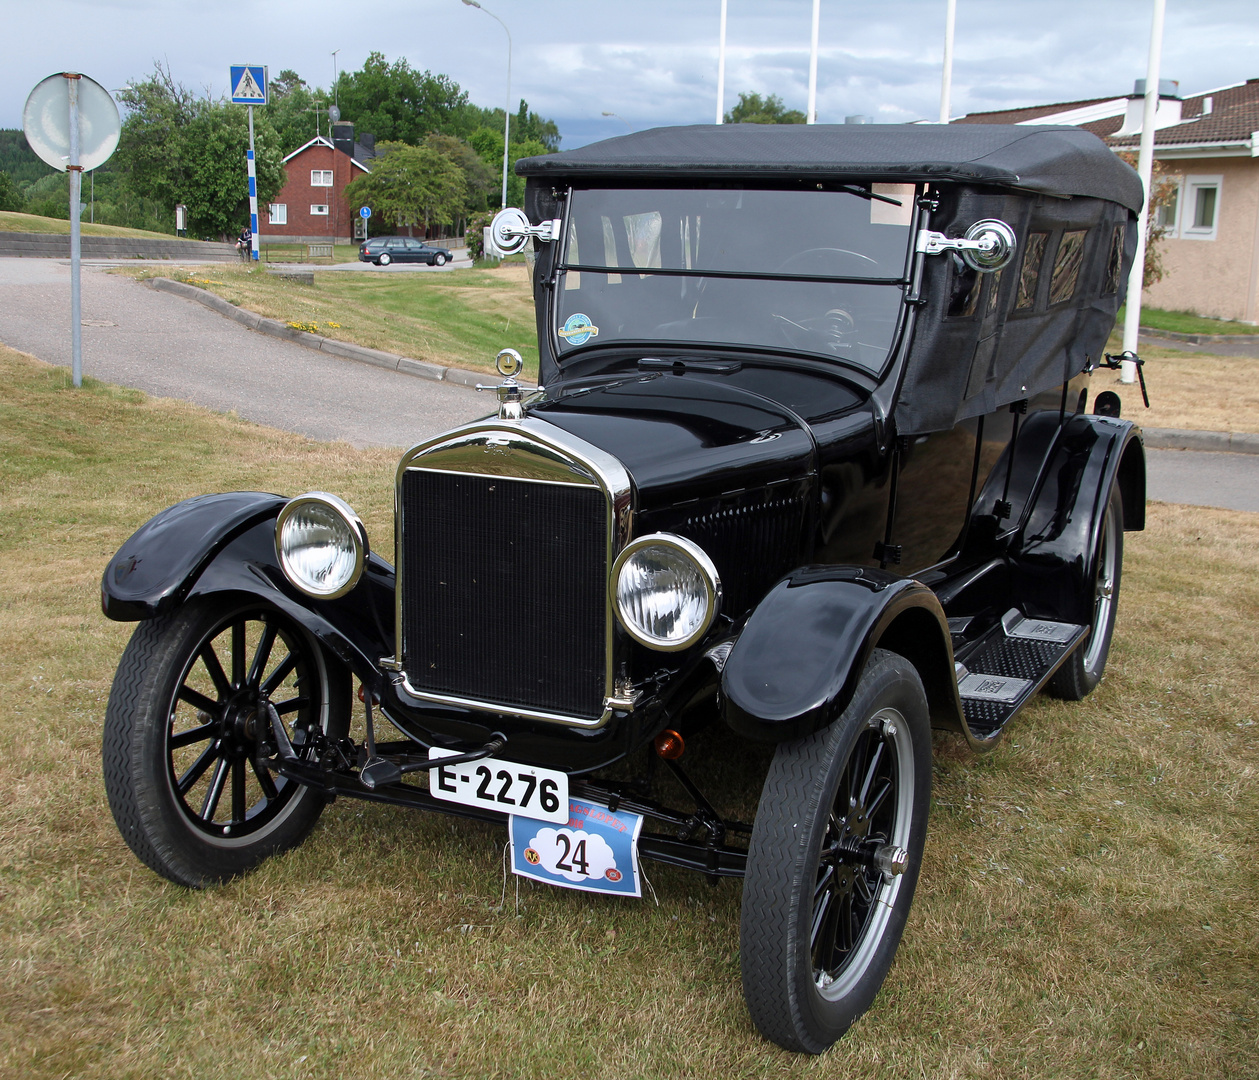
(76,193)
(253,190)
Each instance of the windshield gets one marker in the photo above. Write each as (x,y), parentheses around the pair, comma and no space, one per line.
(808,271)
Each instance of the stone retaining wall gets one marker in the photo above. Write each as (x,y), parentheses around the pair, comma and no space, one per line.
(57,246)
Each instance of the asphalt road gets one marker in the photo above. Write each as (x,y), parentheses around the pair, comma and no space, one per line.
(172,347)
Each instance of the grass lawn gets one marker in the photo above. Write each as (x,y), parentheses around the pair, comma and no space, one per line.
(459,318)
(1184,322)
(12,221)
(281,253)
(1087,906)
(1193,391)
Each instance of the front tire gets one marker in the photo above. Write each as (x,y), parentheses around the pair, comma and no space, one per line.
(439,260)
(834,860)
(1082,670)
(189,707)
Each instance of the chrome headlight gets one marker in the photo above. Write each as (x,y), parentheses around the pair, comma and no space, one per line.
(321,544)
(666,591)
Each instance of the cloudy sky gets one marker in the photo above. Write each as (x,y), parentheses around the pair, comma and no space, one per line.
(649,62)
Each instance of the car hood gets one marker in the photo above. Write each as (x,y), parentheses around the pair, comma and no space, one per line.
(682,436)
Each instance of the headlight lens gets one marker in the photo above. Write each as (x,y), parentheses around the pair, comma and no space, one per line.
(321,544)
(666,591)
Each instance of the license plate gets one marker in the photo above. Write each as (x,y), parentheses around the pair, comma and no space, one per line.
(595,851)
(505,786)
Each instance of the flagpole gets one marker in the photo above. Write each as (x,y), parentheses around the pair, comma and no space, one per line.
(946,79)
(812,117)
(1145,169)
(721,64)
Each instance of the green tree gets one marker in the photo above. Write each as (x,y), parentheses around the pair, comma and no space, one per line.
(411,185)
(217,189)
(397,103)
(10,197)
(516,184)
(481,181)
(176,147)
(753,109)
(291,110)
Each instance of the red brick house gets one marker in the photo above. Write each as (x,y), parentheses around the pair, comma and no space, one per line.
(312,206)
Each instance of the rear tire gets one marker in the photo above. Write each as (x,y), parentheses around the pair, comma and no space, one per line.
(187,712)
(384,260)
(827,892)
(1082,670)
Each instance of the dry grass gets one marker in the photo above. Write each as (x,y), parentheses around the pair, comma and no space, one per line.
(1087,907)
(1190,391)
(457,317)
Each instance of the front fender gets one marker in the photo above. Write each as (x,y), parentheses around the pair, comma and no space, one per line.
(226,543)
(152,572)
(796,665)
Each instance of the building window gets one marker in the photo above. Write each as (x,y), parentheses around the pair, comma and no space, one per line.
(1167,216)
(319,209)
(278,213)
(321,178)
(1201,215)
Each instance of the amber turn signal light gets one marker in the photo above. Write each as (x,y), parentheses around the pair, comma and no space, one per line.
(669,745)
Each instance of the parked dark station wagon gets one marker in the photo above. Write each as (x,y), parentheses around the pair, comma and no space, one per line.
(814,461)
(383,250)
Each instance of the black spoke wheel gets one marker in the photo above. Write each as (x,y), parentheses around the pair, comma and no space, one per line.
(188,719)
(834,861)
(1082,670)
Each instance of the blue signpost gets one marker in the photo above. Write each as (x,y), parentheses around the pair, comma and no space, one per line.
(249,87)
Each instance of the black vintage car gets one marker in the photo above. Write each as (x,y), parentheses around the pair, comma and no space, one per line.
(383,250)
(815,463)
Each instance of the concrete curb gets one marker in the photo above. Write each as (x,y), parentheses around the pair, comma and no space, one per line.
(1226,442)
(1200,339)
(274,328)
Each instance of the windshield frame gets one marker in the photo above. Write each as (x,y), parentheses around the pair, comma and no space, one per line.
(563,353)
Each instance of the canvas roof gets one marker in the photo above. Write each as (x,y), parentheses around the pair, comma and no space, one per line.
(1050,160)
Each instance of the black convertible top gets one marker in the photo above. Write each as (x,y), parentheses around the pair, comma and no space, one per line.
(1042,159)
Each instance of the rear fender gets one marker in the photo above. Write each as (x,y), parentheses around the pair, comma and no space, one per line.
(796,665)
(226,544)
(1053,556)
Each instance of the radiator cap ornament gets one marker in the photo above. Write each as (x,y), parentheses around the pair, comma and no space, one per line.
(511,404)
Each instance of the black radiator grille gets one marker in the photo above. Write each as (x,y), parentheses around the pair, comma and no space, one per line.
(504,590)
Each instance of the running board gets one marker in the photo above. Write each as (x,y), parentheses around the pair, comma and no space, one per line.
(999,671)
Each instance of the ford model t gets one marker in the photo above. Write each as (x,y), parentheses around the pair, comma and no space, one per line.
(814,460)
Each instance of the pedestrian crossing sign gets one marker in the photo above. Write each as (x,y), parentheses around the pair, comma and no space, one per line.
(249,84)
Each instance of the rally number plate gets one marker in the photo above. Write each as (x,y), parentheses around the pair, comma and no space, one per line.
(504,786)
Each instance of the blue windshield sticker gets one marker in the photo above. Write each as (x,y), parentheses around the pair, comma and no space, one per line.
(578,329)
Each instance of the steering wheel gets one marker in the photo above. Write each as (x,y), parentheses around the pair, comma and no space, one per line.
(839,262)
(835,330)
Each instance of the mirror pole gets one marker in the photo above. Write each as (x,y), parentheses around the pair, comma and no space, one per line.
(76,195)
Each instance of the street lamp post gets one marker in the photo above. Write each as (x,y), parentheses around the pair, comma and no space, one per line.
(507,108)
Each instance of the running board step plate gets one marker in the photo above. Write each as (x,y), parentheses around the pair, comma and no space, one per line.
(1008,665)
